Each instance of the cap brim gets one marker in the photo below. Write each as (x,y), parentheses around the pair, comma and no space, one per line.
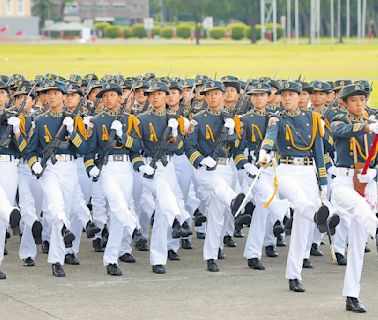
(288,89)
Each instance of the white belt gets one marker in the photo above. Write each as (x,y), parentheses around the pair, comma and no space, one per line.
(346,172)
(118,158)
(7,158)
(223,161)
(64,157)
(149,159)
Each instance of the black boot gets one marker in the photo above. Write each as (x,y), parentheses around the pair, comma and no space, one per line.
(140,241)
(28,262)
(186,244)
(307,264)
(199,218)
(256,264)
(236,203)
(113,270)
(315,251)
(278,229)
(221,254)
(158,269)
(271,252)
(229,242)
(352,304)
(91,230)
(57,270)
(321,218)
(296,286)
(68,237)
(45,247)
(177,231)
(14,221)
(96,244)
(173,256)
(212,266)
(341,260)
(37,232)
(71,259)
(128,258)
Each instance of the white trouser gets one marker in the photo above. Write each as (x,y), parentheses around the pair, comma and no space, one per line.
(8,190)
(59,184)
(363,223)
(169,204)
(99,208)
(85,182)
(277,209)
(116,181)
(217,184)
(298,184)
(30,202)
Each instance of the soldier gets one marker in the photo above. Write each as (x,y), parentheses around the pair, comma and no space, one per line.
(274,97)
(254,125)
(30,192)
(298,137)
(116,176)
(213,175)
(141,103)
(305,96)
(9,150)
(353,190)
(59,180)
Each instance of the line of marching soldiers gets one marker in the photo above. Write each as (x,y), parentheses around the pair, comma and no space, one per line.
(119,156)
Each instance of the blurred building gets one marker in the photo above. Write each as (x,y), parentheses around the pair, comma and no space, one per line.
(16,19)
(120,11)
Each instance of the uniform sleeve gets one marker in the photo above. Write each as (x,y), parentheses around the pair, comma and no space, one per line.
(271,134)
(31,152)
(240,158)
(89,157)
(135,157)
(78,141)
(318,154)
(21,144)
(342,129)
(191,145)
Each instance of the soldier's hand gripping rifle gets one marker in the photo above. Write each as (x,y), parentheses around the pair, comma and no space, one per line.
(223,136)
(6,137)
(103,157)
(57,142)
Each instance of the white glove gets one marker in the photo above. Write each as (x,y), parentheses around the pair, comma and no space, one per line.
(251,169)
(373,127)
(15,122)
(368,177)
(173,124)
(117,126)
(186,124)
(230,125)
(87,121)
(208,162)
(373,118)
(147,169)
(322,123)
(94,172)
(69,123)
(332,171)
(37,168)
(264,156)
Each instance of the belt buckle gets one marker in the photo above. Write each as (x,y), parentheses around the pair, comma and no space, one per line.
(60,157)
(118,157)
(222,161)
(298,161)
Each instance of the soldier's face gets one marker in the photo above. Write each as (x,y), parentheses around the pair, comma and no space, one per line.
(304,98)
(92,95)
(20,98)
(259,100)
(356,105)
(319,99)
(3,98)
(174,97)
(231,95)
(43,98)
(188,93)
(290,100)
(214,99)
(330,97)
(272,96)
(199,97)
(139,96)
(111,100)
(55,98)
(72,100)
(157,99)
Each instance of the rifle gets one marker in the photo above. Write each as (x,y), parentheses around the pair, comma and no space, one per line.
(6,137)
(102,158)
(223,136)
(50,150)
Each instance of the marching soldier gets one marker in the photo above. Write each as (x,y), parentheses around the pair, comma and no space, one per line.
(353,190)
(59,180)
(214,173)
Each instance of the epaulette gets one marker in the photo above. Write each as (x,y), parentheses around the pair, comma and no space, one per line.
(341,117)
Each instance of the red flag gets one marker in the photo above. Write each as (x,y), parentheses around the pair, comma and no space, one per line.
(4,28)
(19,33)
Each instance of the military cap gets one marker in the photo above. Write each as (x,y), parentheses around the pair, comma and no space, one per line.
(321,86)
(54,84)
(24,88)
(306,86)
(149,76)
(95,84)
(3,85)
(125,84)
(201,79)
(212,85)
(332,84)
(74,87)
(274,83)
(91,76)
(141,84)
(339,84)
(260,87)
(74,77)
(4,78)
(366,84)
(188,83)
(109,87)
(231,81)
(243,84)
(157,86)
(175,85)
(290,86)
(353,90)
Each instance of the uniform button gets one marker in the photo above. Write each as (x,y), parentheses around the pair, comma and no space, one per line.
(307,124)
(288,147)
(352,166)
(303,113)
(309,136)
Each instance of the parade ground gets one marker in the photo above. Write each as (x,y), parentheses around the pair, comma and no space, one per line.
(187,291)
(321,62)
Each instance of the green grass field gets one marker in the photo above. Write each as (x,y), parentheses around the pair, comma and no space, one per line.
(326,62)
